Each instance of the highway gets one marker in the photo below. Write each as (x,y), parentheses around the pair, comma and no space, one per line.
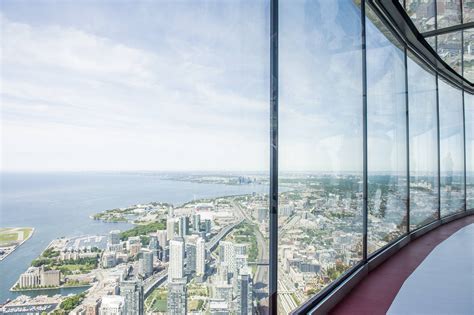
(261,274)
(212,244)
(154,281)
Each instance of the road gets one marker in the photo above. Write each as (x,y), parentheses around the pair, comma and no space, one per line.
(261,273)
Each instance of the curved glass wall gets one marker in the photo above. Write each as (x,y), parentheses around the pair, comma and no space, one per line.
(450,48)
(320,208)
(448,12)
(451,149)
(468,11)
(422,13)
(386,136)
(469,118)
(423,133)
(468,58)
(183,86)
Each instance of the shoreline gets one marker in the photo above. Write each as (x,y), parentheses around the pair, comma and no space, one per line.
(18,245)
(50,288)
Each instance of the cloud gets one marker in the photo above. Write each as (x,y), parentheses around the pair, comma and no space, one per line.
(73,99)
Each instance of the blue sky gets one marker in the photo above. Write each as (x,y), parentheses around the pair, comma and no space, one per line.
(183,85)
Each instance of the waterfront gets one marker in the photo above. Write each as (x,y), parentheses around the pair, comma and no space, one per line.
(59,204)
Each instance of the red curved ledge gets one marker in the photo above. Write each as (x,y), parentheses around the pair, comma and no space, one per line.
(375,293)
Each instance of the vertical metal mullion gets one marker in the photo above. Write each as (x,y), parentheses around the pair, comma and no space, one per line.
(364,133)
(464,145)
(439,145)
(407,107)
(437,115)
(463,108)
(273,196)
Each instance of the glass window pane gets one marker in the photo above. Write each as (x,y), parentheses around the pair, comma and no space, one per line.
(449,12)
(451,149)
(449,49)
(469,108)
(387,155)
(422,13)
(469,55)
(423,145)
(166,102)
(320,211)
(468,11)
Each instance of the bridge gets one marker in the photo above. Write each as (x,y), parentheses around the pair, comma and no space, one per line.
(153,282)
(212,244)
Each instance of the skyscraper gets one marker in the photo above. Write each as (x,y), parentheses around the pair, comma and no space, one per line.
(207,226)
(162,238)
(196,222)
(177,299)
(114,237)
(176,265)
(190,258)
(170,228)
(183,228)
(245,293)
(132,291)
(153,245)
(227,255)
(145,263)
(200,257)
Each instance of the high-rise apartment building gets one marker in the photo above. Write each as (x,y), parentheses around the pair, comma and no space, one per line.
(177,297)
(177,254)
(112,305)
(200,257)
(245,293)
(145,263)
(114,237)
(190,267)
(132,292)
(196,222)
(170,223)
(183,227)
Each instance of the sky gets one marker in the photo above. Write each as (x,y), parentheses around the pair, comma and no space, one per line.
(184,86)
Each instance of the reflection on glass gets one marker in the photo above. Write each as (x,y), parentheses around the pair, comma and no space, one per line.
(469,55)
(451,149)
(422,13)
(423,145)
(468,11)
(432,42)
(320,210)
(449,12)
(387,167)
(469,109)
(449,49)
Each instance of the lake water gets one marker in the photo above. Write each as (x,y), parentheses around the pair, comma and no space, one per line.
(59,204)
